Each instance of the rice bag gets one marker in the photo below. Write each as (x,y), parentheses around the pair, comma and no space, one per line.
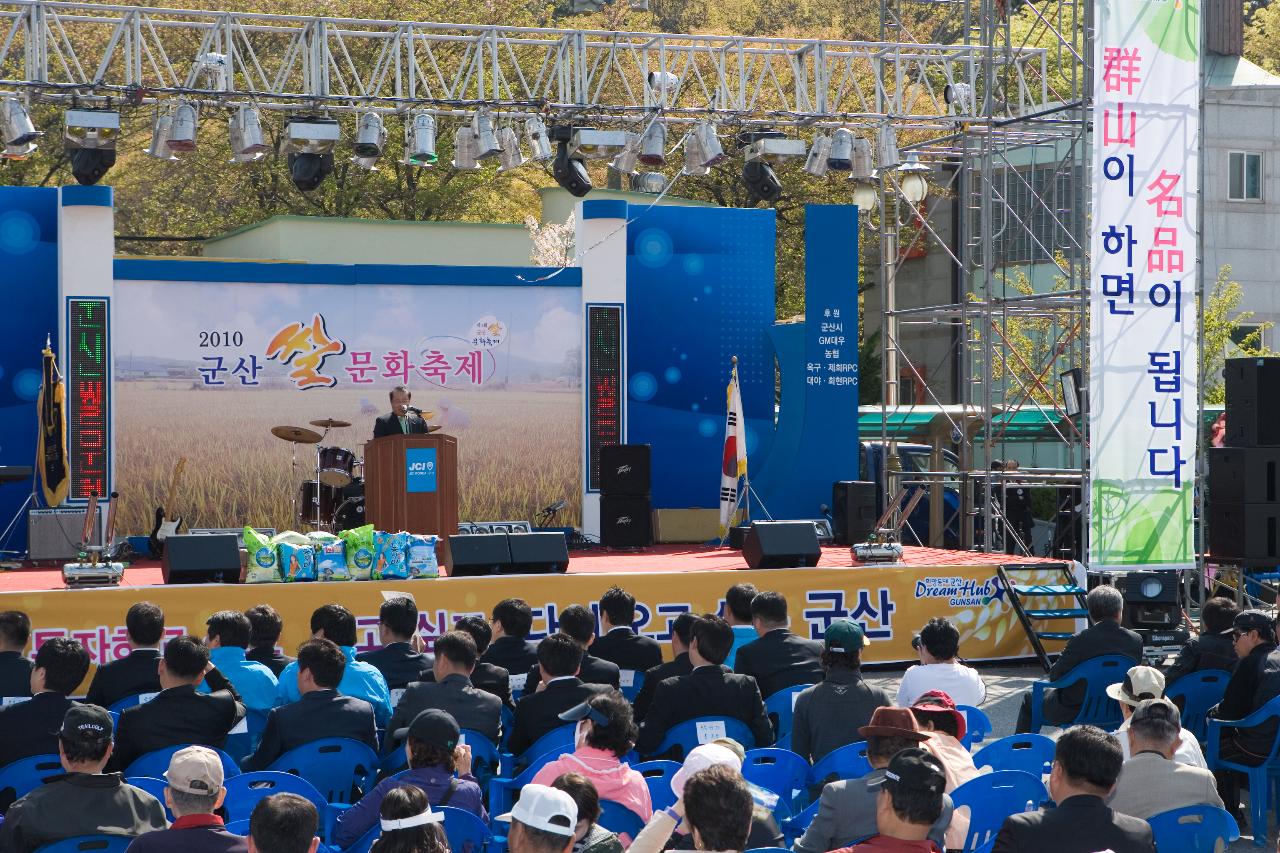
(321,537)
(422,556)
(391,560)
(297,562)
(360,552)
(331,561)
(264,563)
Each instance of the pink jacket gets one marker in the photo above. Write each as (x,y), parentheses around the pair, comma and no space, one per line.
(613,779)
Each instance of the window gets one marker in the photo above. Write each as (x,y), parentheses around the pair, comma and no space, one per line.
(1240,335)
(1244,176)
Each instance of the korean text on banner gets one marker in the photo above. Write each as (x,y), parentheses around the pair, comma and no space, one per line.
(1143,354)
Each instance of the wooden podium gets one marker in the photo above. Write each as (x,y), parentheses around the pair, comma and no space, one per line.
(410,483)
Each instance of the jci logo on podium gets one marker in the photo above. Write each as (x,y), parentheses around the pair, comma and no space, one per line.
(420,469)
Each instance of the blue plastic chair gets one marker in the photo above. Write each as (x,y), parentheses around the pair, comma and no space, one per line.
(238,827)
(1098,709)
(1194,829)
(26,774)
(684,736)
(632,691)
(657,775)
(768,850)
(466,832)
(977,725)
(121,705)
(486,759)
(153,786)
(248,789)
(240,744)
(619,819)
(779,707)
(558,740)
(993,797)
(794,827)
(508,722)
(1199,691)
(156,763)
(501,788)
(778,770)
(847,762)
(336,766)
(1029,753)
(88,844)
(1260,777)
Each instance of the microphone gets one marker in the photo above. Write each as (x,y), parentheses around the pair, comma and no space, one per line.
(414,410)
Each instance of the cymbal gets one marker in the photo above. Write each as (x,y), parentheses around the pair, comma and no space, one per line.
(298,435)
(331,423)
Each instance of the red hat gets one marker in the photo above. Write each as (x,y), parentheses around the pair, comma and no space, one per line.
(938,700)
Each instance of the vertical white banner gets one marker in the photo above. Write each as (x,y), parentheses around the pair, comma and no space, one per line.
(1143,348)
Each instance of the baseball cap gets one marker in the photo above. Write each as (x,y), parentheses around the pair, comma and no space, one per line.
(1253,620)
(195,770)
(434,727)
(1140,682)
(916,769)
(700,758)
(87,722)
(940,700)
(1153,710)
(844,636)
(548,809)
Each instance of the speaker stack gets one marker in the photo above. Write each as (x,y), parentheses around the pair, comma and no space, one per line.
(853,511)
(626,510)
(1244,476)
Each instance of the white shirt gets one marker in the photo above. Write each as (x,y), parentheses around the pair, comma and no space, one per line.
(1188,751)
(962,683)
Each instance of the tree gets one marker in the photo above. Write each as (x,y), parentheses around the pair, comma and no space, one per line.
(1262,37)
(1221,335)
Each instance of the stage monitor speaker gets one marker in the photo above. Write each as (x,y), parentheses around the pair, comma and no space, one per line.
(853,510)
(1253,402)
(624,469)
(537,554)
(479,554)
(1151,599)
(625,521)
(201,558)
(781,545)
(1244,475)
(1246,533)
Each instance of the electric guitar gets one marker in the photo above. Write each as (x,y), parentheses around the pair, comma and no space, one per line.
(166,527)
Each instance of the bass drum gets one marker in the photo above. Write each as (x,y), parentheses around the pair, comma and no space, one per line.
(350,512)
(325,503)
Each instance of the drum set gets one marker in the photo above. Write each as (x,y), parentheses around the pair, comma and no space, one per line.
(333,497)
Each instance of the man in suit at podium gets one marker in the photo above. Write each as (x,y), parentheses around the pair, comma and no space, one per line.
(403,419)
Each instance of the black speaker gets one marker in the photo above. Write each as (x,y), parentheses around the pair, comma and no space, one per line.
(537,554)
(781,545)
(625,521)
(1244,532)
(1151,599)
(853,511)
(201,558)
(1244,474)
(1253,402)
(479,554)
(624,469)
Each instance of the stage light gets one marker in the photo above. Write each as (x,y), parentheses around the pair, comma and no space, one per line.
(589,143)
(18,153)
(761,182)
(90,136)
(244,129)
(485,144)
(217,67)
(90,165)
(570,172)
(887,145)
(1072,383)
(649,182)
(816,164)
(369,164)
(693,156)
(653,144)
(15,123)
(308,170)
(709,144)
(535,133)
(840,157)
(628,157)
(860,165)
(182,133)
(161,129)
(773,147)
(960,96)
(310,141)
(662,82)
(464,149)
(509,155)
(866,195)
(371,136)
(420,139)
(913,179)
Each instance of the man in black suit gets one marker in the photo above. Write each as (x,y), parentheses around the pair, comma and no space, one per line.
(511,649)
(267,627)
(779,659)
(178,714)
(559,657)
(1086,765)
(486,676)
(31,727)
(1103,637)
(618,641)
(1214,647)
(578,623)
(137,672)
(15,670)
(681,636)
(398,661)
(707,691)
(451,691)
(321,712)
(401,420)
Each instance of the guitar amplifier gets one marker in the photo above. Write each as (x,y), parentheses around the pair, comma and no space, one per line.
(54,534)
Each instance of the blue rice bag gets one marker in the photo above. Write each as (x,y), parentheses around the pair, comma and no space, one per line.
(422,556)
(297,562)
(331,561)
(392,553)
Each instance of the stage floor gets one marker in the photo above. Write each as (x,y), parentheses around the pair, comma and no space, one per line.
(658,559)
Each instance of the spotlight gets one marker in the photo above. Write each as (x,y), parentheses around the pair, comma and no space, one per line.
(817,164)
(509,155)
(15,124)
(464,150)
(161,130)
(182,132)
(245,132)
(535,133)
(485,144)
(709,144)
(628,157)
(860,166)
(369,164)
(308,170)
(960,96)
(310,141)
(915,185)
(588,143)
(761,181)
(18,152)
(89,165)
(693,156)
(570,172)
(420,139)
(866,195)
(772,147)
(662,82)
(840,157)
(217,68)
(371,136)
(887,143)
(90,136)
(653,145)
(649,182)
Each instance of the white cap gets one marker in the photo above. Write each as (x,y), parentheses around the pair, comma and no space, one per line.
(700,758)
(548,809)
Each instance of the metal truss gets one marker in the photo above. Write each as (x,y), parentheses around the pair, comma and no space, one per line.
(63,51)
